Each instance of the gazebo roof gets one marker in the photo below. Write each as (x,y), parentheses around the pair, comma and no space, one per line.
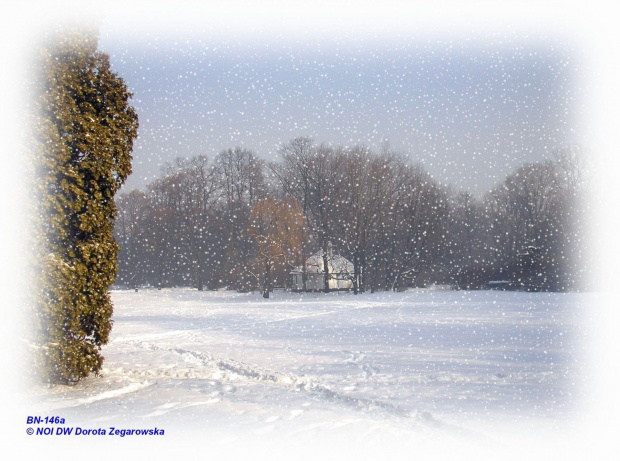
(335,263)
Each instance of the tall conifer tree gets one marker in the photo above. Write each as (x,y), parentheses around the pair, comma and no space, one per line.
(84,132)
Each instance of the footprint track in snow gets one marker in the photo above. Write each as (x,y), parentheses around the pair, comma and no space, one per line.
(232,370)
(356,358)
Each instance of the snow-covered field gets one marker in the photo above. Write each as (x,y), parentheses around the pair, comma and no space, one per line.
(374,371)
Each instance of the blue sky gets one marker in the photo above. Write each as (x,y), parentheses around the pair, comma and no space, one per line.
(470,110)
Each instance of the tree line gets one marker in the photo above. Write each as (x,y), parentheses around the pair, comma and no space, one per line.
(238,222)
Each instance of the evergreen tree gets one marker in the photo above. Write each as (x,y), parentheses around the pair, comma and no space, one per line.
(84,132)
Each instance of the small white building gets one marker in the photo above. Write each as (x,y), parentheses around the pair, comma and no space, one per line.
(340,273)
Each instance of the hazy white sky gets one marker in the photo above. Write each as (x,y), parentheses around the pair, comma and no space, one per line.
(471,109)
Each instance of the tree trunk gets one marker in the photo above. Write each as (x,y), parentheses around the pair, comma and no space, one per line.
(198,273)
(267,281)
(375,272)
(362,272)
(356,265)
(395,283)
(304,277)
(325,272)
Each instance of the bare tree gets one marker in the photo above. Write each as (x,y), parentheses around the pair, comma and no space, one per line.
(310,174)
(278,230)
(130,232)
(417,227)
(241,184)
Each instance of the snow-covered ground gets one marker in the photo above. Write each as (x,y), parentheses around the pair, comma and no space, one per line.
(384,370)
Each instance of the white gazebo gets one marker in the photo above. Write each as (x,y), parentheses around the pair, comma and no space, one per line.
(340,273)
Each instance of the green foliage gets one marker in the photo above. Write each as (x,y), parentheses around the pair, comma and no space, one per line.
(83,135)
